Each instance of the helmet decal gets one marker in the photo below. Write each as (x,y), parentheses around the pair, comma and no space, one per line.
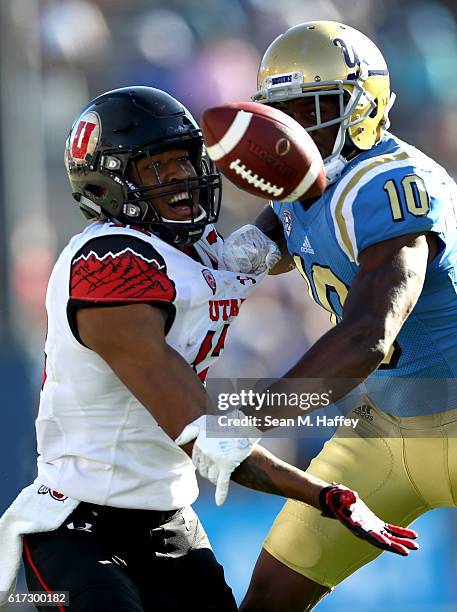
(84,137)
(347,50)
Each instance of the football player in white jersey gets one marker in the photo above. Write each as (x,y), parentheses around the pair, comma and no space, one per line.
(138,308)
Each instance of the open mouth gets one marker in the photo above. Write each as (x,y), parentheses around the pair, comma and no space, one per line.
(183,204)
(180,199)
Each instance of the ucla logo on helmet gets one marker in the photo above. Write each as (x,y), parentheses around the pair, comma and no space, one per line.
(349,53)
(84,137)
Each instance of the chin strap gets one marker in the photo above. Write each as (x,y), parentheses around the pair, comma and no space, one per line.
(385,120)
(335,165)
(200,217)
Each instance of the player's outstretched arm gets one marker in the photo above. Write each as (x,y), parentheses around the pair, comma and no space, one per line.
(384,292)
(263,471)
(381,297)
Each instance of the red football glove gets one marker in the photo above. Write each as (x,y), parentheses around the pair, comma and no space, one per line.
(337,501)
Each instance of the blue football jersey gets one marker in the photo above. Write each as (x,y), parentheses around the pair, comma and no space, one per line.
(391,190)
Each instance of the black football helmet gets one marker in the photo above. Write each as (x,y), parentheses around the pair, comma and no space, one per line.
(121,126)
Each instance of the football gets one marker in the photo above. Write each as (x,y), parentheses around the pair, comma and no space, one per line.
(263,151)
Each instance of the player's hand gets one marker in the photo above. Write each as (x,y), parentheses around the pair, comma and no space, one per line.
(214,457)
(337,501)
(250,251)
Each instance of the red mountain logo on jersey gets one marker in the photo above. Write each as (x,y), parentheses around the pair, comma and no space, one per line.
(209,278)
(125,276)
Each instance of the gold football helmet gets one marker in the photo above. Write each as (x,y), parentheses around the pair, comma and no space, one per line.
(327,58)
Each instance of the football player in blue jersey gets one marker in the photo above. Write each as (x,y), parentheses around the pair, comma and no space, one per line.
(378,250)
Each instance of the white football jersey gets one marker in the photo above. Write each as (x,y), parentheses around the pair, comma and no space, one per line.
(96,442)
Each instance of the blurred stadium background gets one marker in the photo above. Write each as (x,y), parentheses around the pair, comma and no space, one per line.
(55,56)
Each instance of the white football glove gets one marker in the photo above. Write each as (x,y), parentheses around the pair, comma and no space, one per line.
(216,458)
(250,251)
